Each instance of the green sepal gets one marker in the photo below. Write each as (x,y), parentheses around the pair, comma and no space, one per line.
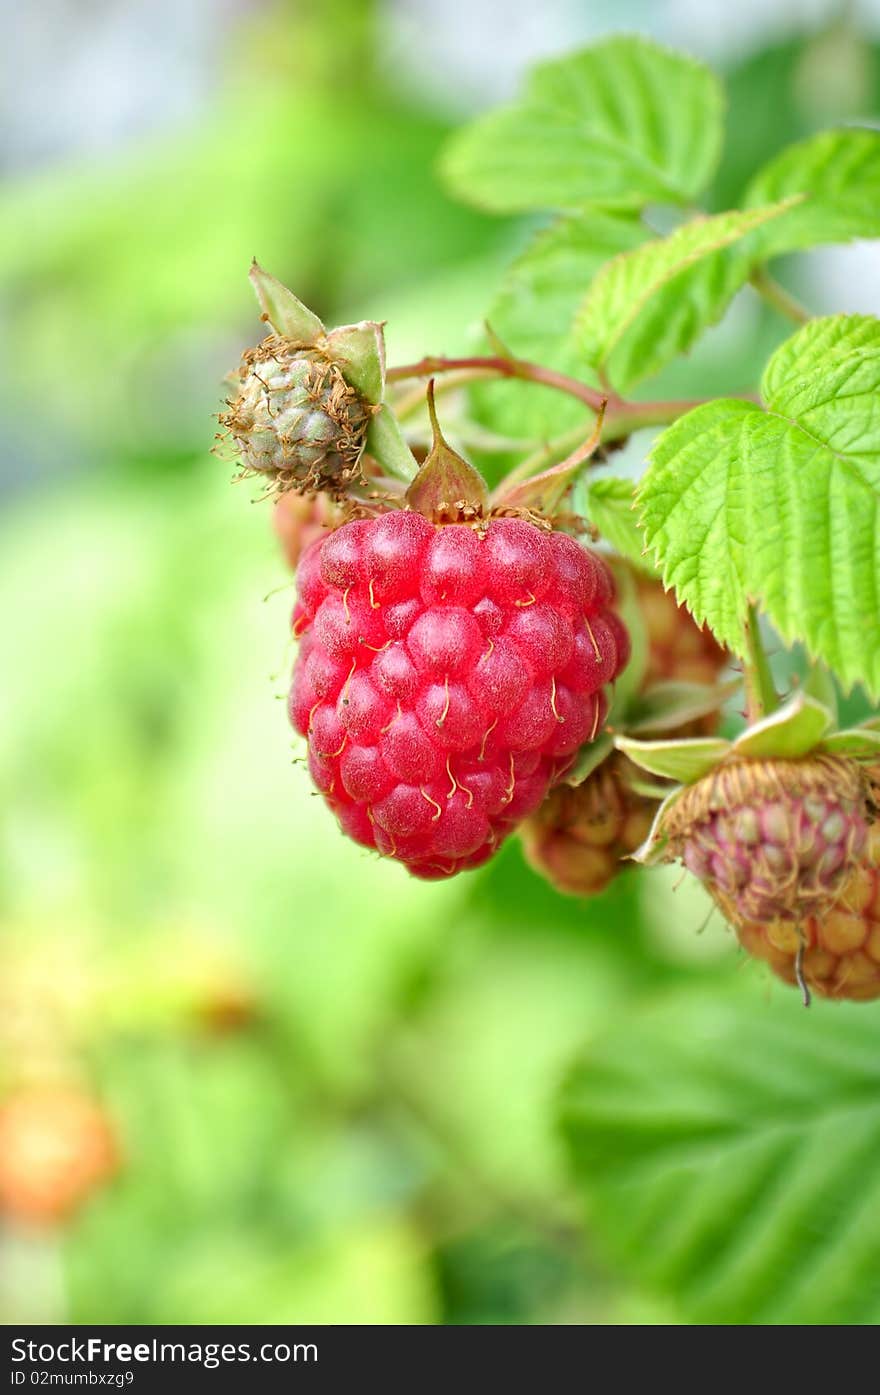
(282,310)
(649,789)
(545,492)
(628,684)
(820,685)
(359,351)
(496,344)
(651,851)
(590,757)
(684,761)
(542,493)
(669,705)
(386,444)
(446,484)
(859,743)
(792,730)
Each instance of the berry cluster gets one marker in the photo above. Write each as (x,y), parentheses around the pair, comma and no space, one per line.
(454,655)
(447,676)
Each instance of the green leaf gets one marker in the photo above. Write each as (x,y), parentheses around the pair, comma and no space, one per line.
(534,314)
(839,172)
(623,122)
(694,513)
(648,305)
(782,506)
(841,347)
(726,1149)
(684,760)
(611,507)
(790,731)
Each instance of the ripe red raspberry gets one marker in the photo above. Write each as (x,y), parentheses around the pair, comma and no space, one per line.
(447,676)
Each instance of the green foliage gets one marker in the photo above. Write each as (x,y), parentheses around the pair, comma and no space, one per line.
(839,173)
(781,505)
(378,1142)
(624,122)
(783,93)
(723,1147)
(611,506)
(646,306)
(534,314)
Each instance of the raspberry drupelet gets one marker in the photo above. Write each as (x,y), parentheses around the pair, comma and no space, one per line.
(840,949)
(447,675)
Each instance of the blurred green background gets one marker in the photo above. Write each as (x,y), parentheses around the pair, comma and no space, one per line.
(334,1093)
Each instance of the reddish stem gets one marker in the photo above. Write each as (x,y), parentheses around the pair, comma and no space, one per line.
(616,407)
(504,368)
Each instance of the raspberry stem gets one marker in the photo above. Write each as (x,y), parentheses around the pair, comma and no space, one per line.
(774,294)
(761,694)
(498,366)
(621,416)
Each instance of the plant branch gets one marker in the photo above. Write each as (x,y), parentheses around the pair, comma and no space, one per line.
(414,401)
(621,417)
(774,294)
(498,366)
(761,694)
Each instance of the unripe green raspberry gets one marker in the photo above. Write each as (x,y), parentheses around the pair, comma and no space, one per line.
(296,421)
